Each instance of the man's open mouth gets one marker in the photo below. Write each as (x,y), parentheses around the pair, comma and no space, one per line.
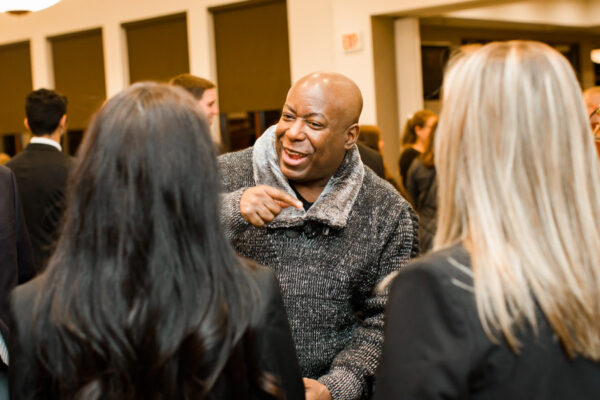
(295,155)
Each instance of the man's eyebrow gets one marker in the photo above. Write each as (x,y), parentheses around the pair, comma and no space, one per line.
(315,114)
(312,114)
(289,108)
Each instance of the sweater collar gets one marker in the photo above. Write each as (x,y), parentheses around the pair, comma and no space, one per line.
(333,206)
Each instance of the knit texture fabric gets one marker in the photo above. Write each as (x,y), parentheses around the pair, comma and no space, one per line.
(328,260)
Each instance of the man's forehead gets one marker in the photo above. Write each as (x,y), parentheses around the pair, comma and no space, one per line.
(311,99)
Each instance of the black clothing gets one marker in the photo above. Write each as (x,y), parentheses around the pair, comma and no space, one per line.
(16,259)
(274,346)
(305,203)
(435,346)
(371,159)
(406,158)
(42,172)
(421,185)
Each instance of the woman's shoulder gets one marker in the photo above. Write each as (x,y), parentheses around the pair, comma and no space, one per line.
(408,153)
(438,271)
(22,306)
(439,262)
(23,297)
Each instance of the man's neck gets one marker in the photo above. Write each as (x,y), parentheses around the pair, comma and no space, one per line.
(54,136)
(49,139)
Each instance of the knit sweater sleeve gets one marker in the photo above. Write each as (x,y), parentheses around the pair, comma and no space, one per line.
(236,177)
(352,372)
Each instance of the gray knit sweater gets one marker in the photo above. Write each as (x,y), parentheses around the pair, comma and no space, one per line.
(328,260)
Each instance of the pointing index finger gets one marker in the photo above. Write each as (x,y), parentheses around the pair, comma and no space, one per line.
(283,198)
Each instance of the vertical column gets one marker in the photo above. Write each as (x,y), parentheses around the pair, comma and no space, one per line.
(201,42)
(201,45)
(588,76)
(115,58)
(42,70)
(409,75)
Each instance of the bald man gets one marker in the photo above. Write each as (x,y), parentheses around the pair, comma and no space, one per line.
(301,202)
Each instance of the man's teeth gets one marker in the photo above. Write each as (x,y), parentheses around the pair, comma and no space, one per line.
(294,153)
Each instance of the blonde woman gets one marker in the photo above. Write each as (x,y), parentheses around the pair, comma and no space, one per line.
(508,306)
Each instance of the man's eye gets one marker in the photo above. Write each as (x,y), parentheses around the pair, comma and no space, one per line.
(287,117)
(315,125)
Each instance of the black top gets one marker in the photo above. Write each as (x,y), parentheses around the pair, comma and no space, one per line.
(305,203)
(406,158)
(16,258)
(274,345)
(421,185)
(435,347)
(372,159)
(42,173)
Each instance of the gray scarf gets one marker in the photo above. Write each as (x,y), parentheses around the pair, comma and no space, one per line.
(333,206)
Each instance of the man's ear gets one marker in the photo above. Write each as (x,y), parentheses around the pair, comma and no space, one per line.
(351,136)
(63,122)
(26,124)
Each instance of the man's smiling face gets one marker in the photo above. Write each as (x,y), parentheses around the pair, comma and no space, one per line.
(311,138)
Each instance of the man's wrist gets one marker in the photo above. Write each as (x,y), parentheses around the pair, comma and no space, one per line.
(342,384)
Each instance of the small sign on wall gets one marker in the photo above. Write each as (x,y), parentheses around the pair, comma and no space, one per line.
(352,42)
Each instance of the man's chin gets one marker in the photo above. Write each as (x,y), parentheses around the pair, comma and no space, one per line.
(292,174)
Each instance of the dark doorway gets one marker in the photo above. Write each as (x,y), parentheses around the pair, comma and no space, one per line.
(253,68)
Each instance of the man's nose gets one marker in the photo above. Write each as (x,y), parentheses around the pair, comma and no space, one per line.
(295,131)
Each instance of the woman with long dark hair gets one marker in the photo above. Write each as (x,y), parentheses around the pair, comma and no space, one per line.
(144,298)
(507,305)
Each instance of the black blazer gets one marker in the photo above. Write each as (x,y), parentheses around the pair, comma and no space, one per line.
(435,347)
(275,351)
(371,159)
(15,251)
(42,173)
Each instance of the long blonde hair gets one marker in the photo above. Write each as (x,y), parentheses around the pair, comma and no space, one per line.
(519,186)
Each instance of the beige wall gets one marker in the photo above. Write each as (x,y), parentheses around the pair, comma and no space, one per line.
(75,15)
(315,31)
(549,12)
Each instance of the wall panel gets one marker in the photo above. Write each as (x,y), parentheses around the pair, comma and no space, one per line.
(15,84)
(157,48)
(78,62)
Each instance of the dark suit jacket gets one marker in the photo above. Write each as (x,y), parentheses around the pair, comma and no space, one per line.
(371,159)
(42,172)
(436,348)
(15,250)
(275,350)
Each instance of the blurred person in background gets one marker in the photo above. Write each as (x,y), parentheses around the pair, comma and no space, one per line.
(591,96)
(414,139)
(4,158)
(203,90)
(16,259)
(421,186)
(41,170)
